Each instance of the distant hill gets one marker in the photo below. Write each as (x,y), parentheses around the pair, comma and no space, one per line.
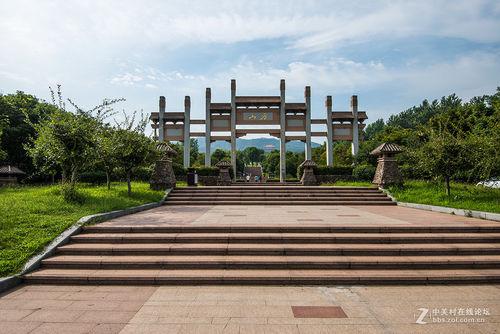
(266,144)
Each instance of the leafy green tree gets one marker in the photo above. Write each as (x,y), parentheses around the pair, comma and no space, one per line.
(293,160)
(319,155)
(106,153)
(65,140)
(271,163)
(20,111)
(220,154)
(443,155)
(194,152)
(342,154)
(252,155)
(4,121)
(133,150)
(374,128)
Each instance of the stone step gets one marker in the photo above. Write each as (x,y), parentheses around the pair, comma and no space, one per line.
(278,228)
(275,194)
(288,238)
(261,277)
(278,190)
(271,262)
(280,249)
(296,187)
(254,198)
(275,202)
(225,197)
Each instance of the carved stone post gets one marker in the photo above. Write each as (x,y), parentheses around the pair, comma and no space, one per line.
(224,176)
(329,131)
(163,176)
(307,95)
(233,125)
(187,129)
(282,132)
(308,177)
(208,128)
(387,172)
(355,125)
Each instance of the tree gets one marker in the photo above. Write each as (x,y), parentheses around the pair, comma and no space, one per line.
(20,111)
(342,154)
(443,155)
(271,163)
(252,155)
(133,150)
(293,160)
(105,149)
(319,155)
(194,152)
(374,128)
(220,154)
(4,121)
(65,140)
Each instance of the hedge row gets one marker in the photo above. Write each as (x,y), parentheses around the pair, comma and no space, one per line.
(327,170)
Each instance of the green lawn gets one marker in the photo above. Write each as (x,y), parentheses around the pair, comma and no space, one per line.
(350,184)
(463,196)
(32,216)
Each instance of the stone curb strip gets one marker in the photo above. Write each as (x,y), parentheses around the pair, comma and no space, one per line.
(444,209)
(10,282)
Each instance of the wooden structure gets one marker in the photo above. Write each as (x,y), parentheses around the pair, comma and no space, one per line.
(9,175)
(222,121)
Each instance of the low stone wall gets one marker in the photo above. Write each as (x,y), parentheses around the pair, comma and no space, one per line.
(208,180)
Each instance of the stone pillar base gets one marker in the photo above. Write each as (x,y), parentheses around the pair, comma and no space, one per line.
(163,176)
(387,172)
(308,177)
(224,177)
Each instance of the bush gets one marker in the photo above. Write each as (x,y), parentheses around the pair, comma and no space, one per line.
(205,171)
(70,194)
(364,172)
(327,170)
(143,173)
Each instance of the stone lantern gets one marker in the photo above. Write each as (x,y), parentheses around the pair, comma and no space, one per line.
(224,176)
(163,176)
(387,172)
(308,178)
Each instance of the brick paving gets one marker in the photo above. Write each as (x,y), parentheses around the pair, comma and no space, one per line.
(243,309)
(255,309)
(296,214)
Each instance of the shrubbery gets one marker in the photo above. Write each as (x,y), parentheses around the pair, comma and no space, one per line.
(364,172)
(327,170)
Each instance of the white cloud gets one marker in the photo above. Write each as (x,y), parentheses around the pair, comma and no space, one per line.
(126,79)
(97,48)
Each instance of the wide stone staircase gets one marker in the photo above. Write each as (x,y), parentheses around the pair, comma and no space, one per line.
(275,254)
(251,194)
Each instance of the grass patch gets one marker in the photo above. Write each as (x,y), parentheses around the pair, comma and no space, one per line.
(350,184)
(32,216)
(181,184)
(463,196)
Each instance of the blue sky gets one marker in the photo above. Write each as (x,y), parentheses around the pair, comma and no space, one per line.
(392,54)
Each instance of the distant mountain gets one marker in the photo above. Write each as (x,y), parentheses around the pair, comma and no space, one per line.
(266,144)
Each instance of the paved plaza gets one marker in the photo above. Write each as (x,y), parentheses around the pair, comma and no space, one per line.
(259,309)
(358,215)
(244,309)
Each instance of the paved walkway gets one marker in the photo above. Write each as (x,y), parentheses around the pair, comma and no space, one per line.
(247,309)
(296,214)
(234,309)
